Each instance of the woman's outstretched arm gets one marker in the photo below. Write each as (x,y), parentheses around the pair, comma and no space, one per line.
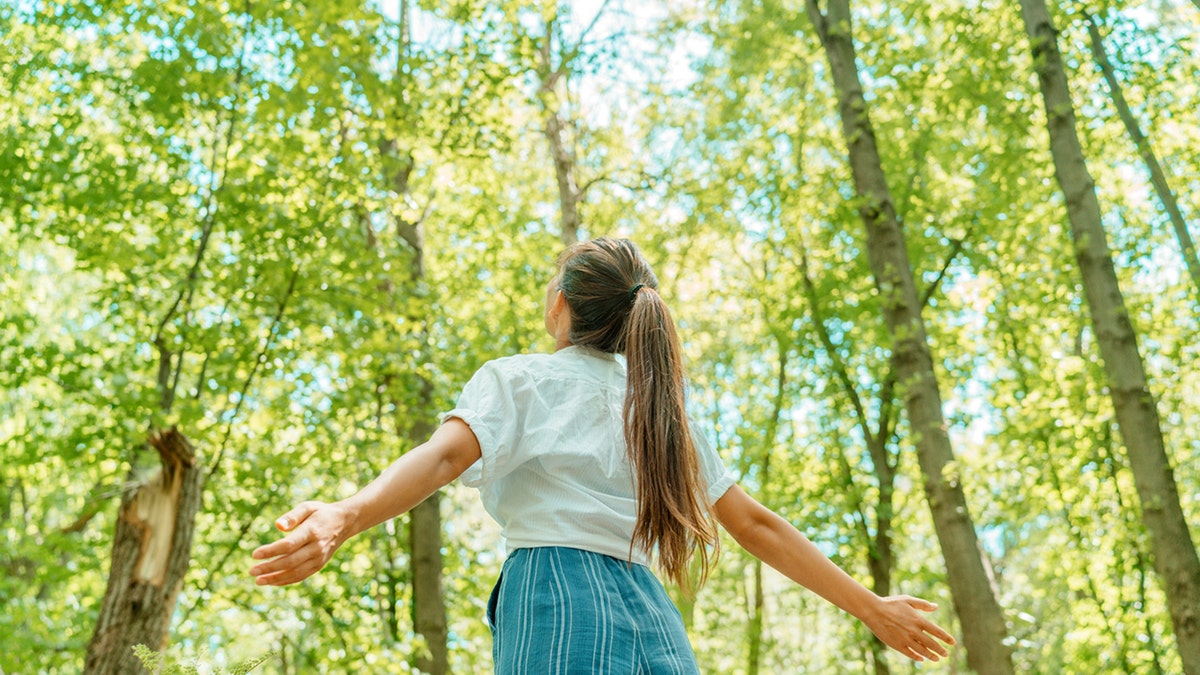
(315,529)
(773,540)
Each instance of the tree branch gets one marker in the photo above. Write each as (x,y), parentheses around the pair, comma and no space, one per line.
(258,361)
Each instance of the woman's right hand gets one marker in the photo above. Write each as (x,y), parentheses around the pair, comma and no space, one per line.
(315,531)
(897,621)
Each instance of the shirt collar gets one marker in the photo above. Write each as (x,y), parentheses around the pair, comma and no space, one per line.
(587,351)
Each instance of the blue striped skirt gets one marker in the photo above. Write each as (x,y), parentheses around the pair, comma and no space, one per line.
(565,611)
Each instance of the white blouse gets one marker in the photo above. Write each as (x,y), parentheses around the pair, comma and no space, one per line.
(553,470)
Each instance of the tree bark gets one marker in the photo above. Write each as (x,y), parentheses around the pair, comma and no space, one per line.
(984,631)
(425,520)
(569,194)
(754,637)
(1175,558)
(564,175)
(150,555)
(879,546)
(428,610)
(425,543)
(1158,178)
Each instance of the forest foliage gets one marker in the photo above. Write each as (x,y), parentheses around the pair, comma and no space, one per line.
(198,229)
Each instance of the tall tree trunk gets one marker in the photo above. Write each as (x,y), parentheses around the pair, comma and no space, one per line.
(1175,557)
(879,546)
(428,609)
(150,555)
(425,544)
(979,612)
(1158,177)
(564,175)
(424,520)
(754,635)
(561,152)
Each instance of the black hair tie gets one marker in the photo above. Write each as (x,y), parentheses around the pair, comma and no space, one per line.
(634,291)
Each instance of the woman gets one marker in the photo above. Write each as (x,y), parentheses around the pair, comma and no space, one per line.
(593,471)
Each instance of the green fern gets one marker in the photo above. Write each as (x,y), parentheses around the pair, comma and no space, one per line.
(169,664)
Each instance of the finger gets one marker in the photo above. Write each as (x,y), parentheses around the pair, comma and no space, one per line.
(925,650)
(300,559)
(293,559)
(931,648)
(938,632)
(289,576)
(289,544)
(918,603)
(291,519)
(912,654)
(942,635)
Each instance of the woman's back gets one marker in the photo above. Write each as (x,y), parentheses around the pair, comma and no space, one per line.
(554,469)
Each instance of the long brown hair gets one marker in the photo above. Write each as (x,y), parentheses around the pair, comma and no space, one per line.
(613,298)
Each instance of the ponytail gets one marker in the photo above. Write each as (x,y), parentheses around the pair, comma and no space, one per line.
(615,307)
(671,515)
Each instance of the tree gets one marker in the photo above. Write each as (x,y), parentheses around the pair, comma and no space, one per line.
(151,550)
(556,65)
(1175,557)
(153,537)
(1158,177)
(983,624)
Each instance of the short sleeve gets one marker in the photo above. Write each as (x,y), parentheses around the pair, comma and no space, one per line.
(488,405)
(716,475)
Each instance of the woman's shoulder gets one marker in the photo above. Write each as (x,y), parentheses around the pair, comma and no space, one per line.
(515,369)
(517,363)
(569,363)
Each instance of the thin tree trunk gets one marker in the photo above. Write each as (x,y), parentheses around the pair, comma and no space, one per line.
(424,520)
(1110,452)
(1175,557)
(151,550)
(1158,177)
(754,635)
(428,609)
(425,543)
(153,537)
(979,612)
(564,175)
(569,194)
(1076,527)
(757,613)
(879,556)
(879,546)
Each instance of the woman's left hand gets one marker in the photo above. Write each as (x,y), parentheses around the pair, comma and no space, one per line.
(897,621)
(315,531)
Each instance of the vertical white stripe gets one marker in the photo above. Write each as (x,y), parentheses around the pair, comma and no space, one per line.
(602,644)
(662,624)
(526,612)
(560,645)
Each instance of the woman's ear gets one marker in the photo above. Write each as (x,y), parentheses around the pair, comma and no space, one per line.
(559,304)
